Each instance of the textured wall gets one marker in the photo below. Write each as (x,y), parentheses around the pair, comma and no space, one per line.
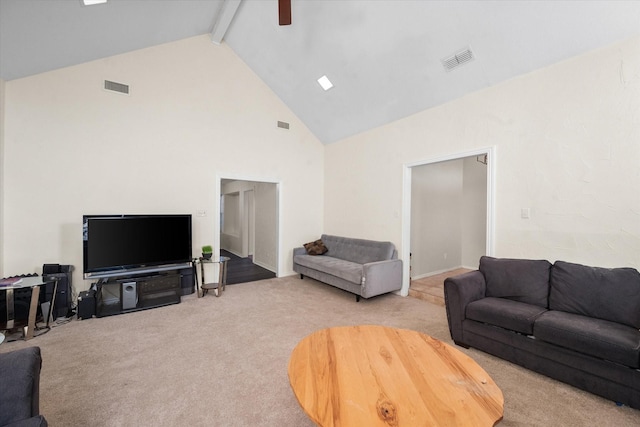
(195,113)
(2,168)
(567,141)
(474,212)
(436,217)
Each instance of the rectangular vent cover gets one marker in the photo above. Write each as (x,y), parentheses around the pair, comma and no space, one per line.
(116,87)
(283,125)
(458,59)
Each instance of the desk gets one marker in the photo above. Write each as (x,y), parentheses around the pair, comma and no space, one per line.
(34,283)
(379,376)
(218,287)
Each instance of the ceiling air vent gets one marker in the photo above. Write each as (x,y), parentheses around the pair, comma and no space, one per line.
(283,125)
(458,59)
(116,87)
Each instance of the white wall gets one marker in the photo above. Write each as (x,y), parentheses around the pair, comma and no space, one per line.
(474,212)
(195,112)
(567,144)
(231,236)
(2,178)
(436,217)
(266,225)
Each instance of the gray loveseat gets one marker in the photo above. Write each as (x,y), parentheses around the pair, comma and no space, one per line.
(571,322)
(365,268)
(20,388)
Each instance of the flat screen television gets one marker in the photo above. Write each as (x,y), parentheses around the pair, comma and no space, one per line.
(114,244)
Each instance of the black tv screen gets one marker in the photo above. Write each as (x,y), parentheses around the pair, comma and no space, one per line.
(114,243)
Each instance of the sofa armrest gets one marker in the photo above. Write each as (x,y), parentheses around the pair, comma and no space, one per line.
(296,252)
(20,390)
(459,291)
(381,277)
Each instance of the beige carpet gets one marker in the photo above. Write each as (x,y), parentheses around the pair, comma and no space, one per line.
(223,362)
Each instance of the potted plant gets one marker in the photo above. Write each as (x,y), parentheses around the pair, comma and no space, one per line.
(207,251)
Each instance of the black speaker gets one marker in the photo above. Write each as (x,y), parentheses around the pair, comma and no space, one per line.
(86,304)
(187,283)
(129,295)
(51,269)
(61,273)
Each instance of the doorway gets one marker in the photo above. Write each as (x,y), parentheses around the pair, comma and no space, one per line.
(448,214)
(249,229)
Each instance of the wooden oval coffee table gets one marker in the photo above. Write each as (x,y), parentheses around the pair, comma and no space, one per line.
(380,376)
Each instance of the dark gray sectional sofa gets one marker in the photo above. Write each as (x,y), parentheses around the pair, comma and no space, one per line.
(575,323)
(364,267)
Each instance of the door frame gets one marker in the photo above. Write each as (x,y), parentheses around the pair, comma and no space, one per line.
(490,152)
(216,225)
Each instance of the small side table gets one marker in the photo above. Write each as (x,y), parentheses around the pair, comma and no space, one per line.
(218,287)
(34,282)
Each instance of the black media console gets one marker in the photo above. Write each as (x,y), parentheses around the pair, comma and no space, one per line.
(124,294)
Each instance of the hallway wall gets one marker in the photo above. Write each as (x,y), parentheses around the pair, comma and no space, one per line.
(448,215)
(265,206)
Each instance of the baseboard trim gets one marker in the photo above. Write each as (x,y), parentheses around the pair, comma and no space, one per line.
(435,273)
(266,267)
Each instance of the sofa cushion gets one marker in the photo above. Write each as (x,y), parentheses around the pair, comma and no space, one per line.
(358,250)
(506,313)
(596,337)
(346,270)
(521,280)
(605,293)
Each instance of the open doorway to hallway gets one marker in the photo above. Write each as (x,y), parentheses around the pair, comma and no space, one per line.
(450,220)
(249,229)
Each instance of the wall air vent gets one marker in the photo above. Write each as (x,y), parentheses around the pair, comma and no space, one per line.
(116,87)
(458,59)
(283,125)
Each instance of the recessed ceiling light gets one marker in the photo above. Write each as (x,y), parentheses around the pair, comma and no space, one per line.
(92,2)
(325,83)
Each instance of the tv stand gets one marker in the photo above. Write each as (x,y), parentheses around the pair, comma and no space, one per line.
(132,293)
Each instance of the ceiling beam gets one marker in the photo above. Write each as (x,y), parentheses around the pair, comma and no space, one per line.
(225,16)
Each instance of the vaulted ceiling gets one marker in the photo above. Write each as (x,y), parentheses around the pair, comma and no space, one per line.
(384,57)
